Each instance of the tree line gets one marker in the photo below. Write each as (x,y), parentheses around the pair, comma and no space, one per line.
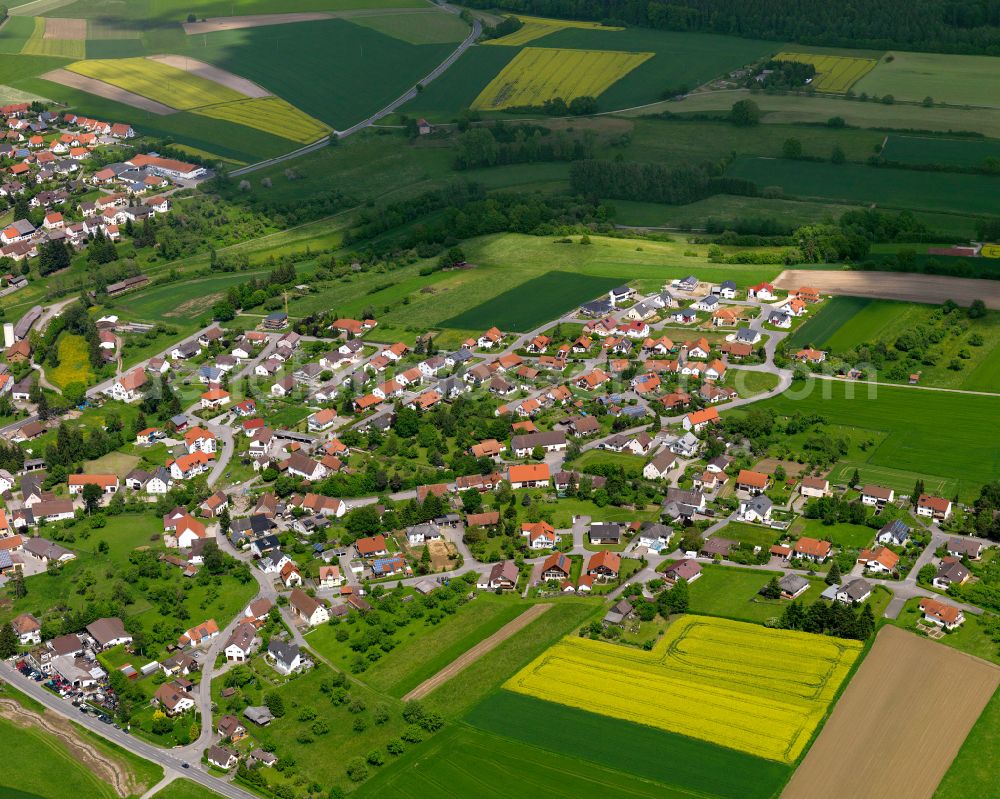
(499,145)
(630,180)
(949,26)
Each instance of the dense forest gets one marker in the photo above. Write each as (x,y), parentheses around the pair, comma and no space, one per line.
(957,26)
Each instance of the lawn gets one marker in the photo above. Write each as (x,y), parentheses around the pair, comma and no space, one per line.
(157,81)
(113,463)
(858,183)
(46,768)
(917,442)
(749,384)
(49,769)
(179,303)
(753,534)
(953,79)
(674,760)
(354,70)
(465,762)
(973,771)
(74,362)
(184,789)
(971,637)
(939,150)
(539,74)
(732,593)
(842,535)
(760,690)
(593,457)
(534,302)
(424,649)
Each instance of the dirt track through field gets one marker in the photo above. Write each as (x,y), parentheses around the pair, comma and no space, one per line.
(57,28)
(66,78)
(466,659)
(894,286)
(252,21)
(899,724)
(214,74)
(104,768)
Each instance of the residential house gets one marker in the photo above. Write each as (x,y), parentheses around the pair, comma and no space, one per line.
(502,577)
(284,657)
(757,509)
(556,566)
(937,508)
(529,476)
(752,482)
(877,496)
(540,535)
(941,614)
(308,609)
(812,549)
(814,487)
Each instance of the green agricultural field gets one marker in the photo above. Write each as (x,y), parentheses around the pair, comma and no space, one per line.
(681,59)
(973,771)
(676,761)
(934,435)
(785,109)
(423,649)
(455,697)
(724,207)
(681,141)
(850,536)
(890,188)
(939,150)
(474,763)
(14,33)
(897,479)
(534,302)
(158,13)
(354,70)
(417,27)
(732,593)
(826,322)
(952,79)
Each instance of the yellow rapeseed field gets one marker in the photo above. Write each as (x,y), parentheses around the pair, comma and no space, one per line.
(271,115)
(537,74)
(157,81)
(991,251)
(37,44)
(834,73)
(739,685)
(537,27)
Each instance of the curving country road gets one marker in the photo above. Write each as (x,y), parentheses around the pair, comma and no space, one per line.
(404,98)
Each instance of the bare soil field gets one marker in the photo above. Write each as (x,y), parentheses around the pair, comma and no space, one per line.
(899,724)
(66,78)
(214,74)
(107,768)
(768,465)
(217,24)
(57,28)
(440,552)
(933,289)
(471,656)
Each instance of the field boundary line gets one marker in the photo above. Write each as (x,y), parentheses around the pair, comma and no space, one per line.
(469,657)
(907,385)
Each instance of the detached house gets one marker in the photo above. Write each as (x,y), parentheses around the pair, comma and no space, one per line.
(309,610)
(937,508)
(128,387)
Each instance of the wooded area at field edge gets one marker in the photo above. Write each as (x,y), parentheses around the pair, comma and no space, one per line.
(951,26)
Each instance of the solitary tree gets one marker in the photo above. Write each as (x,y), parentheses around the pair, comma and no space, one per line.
(8,641)
(833,576)
(92,494)
(745,114)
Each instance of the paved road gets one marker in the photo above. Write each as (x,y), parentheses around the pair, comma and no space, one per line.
(172,759)
(439,70)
